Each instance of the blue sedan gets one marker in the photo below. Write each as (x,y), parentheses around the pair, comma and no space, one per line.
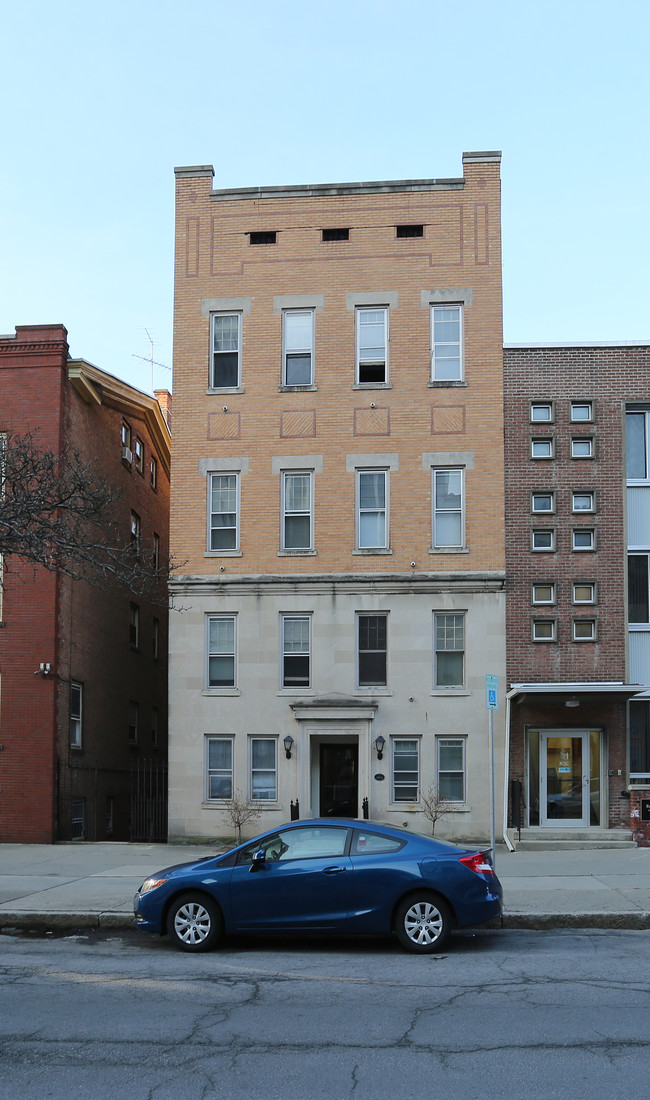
(324,876)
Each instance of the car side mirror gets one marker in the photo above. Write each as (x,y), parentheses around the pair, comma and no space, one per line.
(259,859)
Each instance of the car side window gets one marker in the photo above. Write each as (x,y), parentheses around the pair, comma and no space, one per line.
(372,844)
(308,842)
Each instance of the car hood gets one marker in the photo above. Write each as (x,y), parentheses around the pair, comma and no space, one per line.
(166,872)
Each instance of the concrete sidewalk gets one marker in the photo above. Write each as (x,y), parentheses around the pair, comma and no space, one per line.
(54,886)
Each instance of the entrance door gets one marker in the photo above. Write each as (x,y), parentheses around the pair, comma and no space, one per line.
(339,767)
(566,794)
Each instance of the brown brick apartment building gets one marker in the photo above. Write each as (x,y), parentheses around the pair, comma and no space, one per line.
(337,496)
(578,553)
(83,671)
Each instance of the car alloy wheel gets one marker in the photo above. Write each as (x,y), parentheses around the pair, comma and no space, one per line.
(194,923)
(423,923)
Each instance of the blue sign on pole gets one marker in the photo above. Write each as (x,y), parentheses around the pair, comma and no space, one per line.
(492,692)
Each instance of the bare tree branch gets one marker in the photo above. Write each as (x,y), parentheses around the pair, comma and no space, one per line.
(434,807)
(59,512)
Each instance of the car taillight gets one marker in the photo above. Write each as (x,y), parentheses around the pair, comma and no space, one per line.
(478,863)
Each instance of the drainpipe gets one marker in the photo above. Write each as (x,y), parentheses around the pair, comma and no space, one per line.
(506,839)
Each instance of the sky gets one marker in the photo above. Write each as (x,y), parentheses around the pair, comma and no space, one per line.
(101,102)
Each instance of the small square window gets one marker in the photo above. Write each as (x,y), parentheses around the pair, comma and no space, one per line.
(584,538)
(584,593)
(269,236)
(544,593)
(541,448)
(544,630)
(581,411)
(543,539)
(541,412)
(336,234)
(543,502)
(582,447)
(583,502)
(409,231)
(584,630)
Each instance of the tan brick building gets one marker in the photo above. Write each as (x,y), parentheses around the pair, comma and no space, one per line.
(337,499)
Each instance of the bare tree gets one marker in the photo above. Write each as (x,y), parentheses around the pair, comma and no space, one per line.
(434,807)
(59,512)
(239,811)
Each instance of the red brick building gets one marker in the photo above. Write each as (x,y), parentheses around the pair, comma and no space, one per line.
(578,634)
(83,674)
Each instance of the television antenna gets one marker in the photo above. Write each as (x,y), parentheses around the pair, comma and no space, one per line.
(150,359)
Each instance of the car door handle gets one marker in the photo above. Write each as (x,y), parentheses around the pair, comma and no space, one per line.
(333,870)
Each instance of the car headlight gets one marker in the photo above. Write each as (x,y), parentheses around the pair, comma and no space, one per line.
(151,884)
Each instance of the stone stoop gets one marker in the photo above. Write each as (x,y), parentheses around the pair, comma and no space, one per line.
(562,840)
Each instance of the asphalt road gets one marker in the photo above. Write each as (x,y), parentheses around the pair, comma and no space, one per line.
(500,1013)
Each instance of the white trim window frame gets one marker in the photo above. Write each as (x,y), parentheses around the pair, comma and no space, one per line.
(543,540)
(297,510)
(447,342)
(371,345)
(637,440)
(449,647)
(263,769)
(219,772)
(448,508)
(582,412)
(76,715)
(298,347)
(405,769)
(223,512)
(542,502)
(542,448)
(589,594)
(450,769)
(583,538)
(544,630)
(583,501)
(372,510)
(225,351)
(584,630)
(543,593)
(541,412)
(295,630)
(221,651)
(582,446)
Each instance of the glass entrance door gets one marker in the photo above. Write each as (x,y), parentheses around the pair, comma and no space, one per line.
(569,778)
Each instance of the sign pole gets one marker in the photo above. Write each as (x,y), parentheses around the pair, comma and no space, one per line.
(492,704)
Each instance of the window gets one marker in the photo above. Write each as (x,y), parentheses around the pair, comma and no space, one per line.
(582,447)
(543,502)
(372,346)
(264,780)
(449,650)
(224,494)
(584,592)
(543,539)
(135,532)
(582,502)
(296,651)
(267,236)
(305,842)
(409,231)
(451,769)
(226,350)
(640,742)
(541,412)
(76,703)
(544,593)
(133,723)
(584,538)
(581,410)
(221,651)
(138,452)
(297,516)
(372,509)
(155,639)
(77,818)
(155,551)
(541,448)
(134,625)
(298,347)
(372,650)
(636,445)
(155,724)
(406,769)
(153,473)
(218,768)
(336,235)
(448,517)
(638,588)
(446,343)
(584,630)
(127,453)
(109,814)
(544,630)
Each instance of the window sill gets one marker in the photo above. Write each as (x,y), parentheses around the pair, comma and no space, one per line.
(302,691)
(233,692)
(450,693)
(361,552)
(373,690)
(372,386)
(225,389)
(449,550)
(223,554)
(446,383)
(297,553)
(311,387)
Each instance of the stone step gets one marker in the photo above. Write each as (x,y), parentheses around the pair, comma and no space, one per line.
(564,840)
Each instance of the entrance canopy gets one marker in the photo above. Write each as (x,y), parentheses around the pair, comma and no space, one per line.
(571,694)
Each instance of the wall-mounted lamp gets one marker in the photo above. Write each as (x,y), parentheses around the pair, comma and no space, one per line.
(44,669)
(379,745)
(372,405)
(572,701)
(288,745)
(225,408)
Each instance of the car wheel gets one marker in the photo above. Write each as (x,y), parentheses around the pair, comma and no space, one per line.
(194,923)
(423,923)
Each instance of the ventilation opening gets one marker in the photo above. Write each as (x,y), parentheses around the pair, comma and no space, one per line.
(336,234)
(410,230)
(264,237)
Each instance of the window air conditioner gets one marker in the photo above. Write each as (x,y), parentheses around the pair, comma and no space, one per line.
(127,454)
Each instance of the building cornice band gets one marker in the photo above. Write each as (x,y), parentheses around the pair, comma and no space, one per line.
(322,584)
